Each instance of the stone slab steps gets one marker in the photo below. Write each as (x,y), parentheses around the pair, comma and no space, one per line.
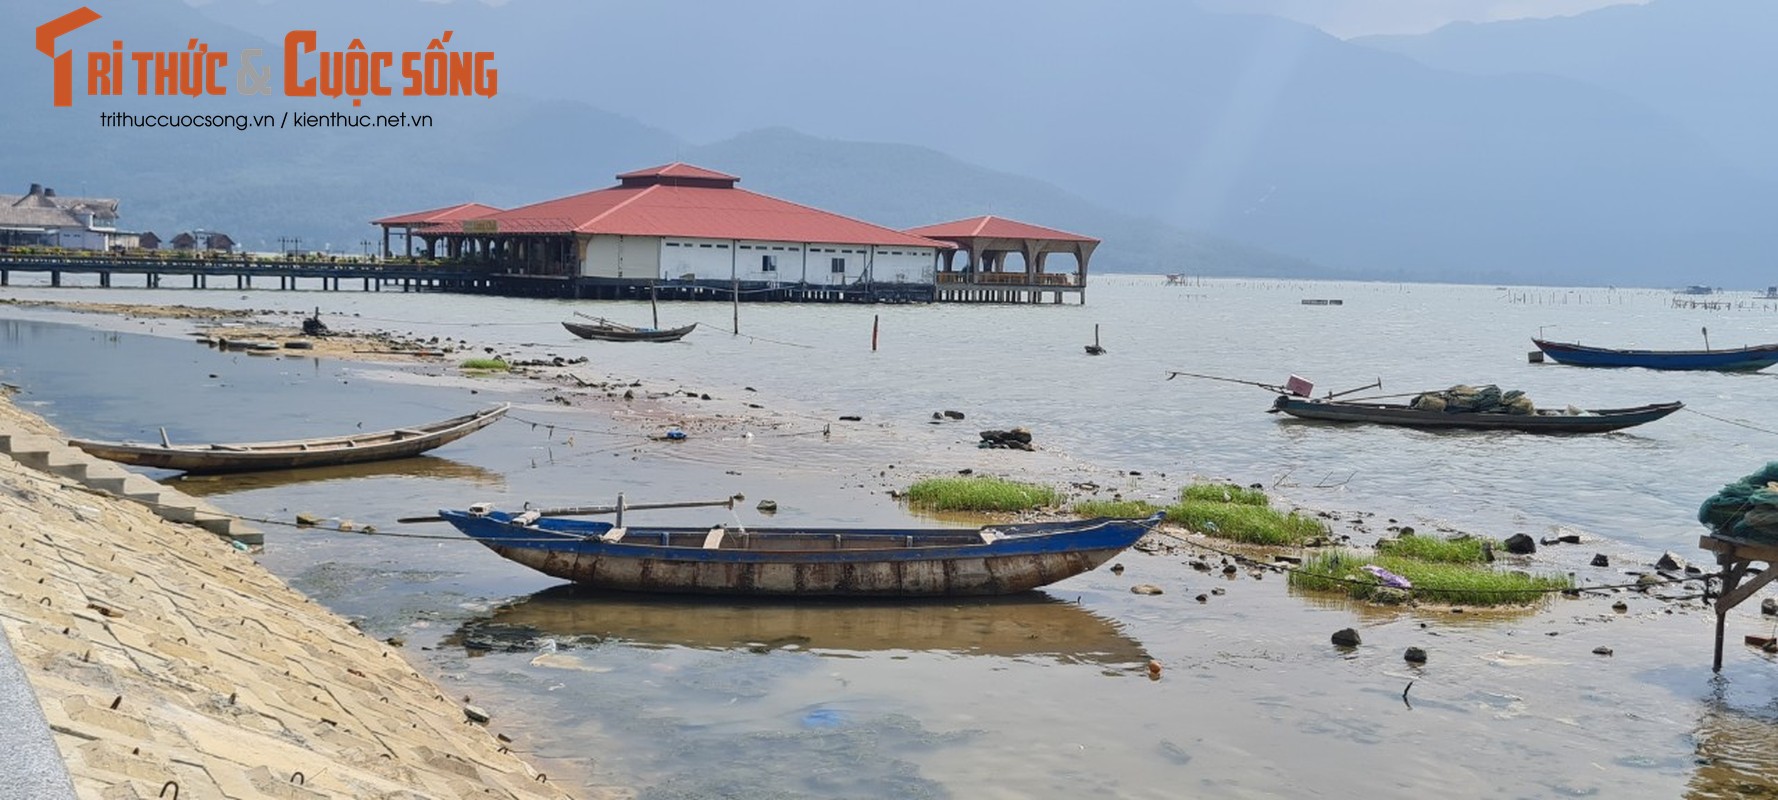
(59,459)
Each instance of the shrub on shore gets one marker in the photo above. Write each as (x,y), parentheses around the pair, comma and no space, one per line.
(979,494)
(1116,509)
(1242,522)
(493,364)
(1470,584)
(1467,550)
(1224,493)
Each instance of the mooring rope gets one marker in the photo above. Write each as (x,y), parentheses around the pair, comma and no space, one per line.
(1737,423)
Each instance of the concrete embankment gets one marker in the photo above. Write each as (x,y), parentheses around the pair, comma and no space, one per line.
(160,653)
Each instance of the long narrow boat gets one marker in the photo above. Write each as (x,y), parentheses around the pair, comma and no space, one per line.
(1742,359)
(997,559)
(1589,421)
(324,452)
(607,331)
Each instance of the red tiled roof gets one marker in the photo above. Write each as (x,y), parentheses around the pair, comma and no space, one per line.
(690,210)
(446,214)
(678,169)
(992,227)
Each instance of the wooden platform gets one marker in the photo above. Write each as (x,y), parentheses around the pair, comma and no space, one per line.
(1736,557)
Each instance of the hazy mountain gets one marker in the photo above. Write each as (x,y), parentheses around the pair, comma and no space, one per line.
(904,186)
(324,185)
(1708,64)
(1252,128)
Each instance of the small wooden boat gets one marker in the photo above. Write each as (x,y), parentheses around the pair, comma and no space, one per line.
(1589,421)
(1744,359)
(996,559)
(294,454)
(607,331)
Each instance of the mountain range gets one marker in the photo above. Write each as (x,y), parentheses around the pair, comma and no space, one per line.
(1190,141)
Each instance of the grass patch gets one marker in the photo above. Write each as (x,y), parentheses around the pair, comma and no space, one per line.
(1254,524)
(1223,493)
(1467,584)
(1469,550)
(979,494)
(1116,509)
(486,363)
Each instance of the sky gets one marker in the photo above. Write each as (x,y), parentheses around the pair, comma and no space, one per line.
(1349,18)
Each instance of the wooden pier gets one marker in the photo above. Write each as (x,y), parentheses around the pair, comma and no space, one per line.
(240,272)
(243,272)
(1736,557)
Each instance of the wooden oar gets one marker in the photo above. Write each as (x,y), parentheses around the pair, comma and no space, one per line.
(619,508)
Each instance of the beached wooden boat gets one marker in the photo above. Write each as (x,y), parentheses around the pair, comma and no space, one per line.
(607,331)
(996,559)
(329,451)
(1588,421)
(1743,359)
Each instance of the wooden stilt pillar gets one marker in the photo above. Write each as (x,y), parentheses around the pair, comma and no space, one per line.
(1736,557)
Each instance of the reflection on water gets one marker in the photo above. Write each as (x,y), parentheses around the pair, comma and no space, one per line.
(416,467)
(1735,753)
(1031,625)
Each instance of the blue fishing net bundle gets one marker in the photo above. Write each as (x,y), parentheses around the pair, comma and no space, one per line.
(1747,508)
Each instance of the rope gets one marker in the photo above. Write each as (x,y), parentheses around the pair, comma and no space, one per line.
(1736,423)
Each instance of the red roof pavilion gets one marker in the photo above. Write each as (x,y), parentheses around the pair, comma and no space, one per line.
(685,201)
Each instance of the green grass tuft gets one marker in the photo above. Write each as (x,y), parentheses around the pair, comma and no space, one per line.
(1223,493)
(1254,524)
(1431,548)
(979,494)
(1116,509)
(1468,584)
(486,363)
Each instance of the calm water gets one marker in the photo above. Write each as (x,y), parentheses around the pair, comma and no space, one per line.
(1046,696)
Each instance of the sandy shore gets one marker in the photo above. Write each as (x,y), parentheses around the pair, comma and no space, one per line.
(159,653)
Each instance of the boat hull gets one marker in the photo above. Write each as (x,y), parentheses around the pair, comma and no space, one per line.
(1745,359)
(783,562)
(1594,421)
(296,454)
(605,333)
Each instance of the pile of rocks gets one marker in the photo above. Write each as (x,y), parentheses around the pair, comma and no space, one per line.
(1015,439)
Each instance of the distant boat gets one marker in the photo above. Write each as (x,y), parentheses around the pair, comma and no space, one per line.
(1743,359)
(297,453)
(1590,421)
(1698,289)
(845,562)
(607,331)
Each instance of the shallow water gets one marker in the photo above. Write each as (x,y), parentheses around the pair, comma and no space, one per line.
(942,700)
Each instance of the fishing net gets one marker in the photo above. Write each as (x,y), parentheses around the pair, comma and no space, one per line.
(1747,508)
(1476,399)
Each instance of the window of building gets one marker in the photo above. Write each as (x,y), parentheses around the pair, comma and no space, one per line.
(722,247)
(768,263)
(839,265)
(706,244)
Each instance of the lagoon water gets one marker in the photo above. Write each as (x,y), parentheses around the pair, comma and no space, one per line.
(1045,696)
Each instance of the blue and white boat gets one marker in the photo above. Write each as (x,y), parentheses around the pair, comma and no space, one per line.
(847,562)
(1743,359)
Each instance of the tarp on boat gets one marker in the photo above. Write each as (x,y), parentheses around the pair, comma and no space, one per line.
(1747,508)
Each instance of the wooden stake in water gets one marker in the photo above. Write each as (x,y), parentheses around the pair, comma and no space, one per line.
(655,306)
(1706,338)
(875,319)
(735,292)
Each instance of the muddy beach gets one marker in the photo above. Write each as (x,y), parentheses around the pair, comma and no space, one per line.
(1252,698)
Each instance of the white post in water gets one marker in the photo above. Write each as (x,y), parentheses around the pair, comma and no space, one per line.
(620,509)
(1706,338)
